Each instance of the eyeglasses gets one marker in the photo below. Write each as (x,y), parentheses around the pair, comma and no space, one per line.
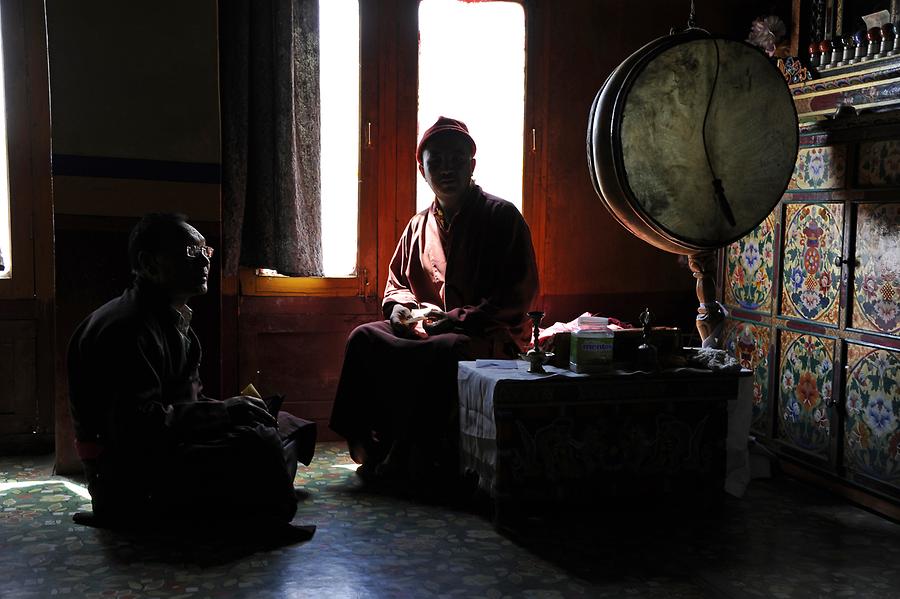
(195,250)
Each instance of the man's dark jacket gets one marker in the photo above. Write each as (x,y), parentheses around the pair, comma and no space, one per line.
(148,438)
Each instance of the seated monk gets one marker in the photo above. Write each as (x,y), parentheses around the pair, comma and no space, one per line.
(461,280)
(153,447)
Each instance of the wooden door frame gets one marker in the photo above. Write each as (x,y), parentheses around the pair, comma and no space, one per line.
(29,295)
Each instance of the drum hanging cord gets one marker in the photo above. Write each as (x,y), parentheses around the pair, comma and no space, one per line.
(718,190)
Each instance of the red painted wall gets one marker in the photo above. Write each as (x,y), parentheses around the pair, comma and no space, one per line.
(588,262)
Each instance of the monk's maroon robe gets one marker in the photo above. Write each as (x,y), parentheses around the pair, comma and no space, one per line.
(481,270)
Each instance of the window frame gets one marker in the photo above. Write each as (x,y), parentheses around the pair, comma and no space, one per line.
(26,81)
(252,284)
(389,89)
(527,138)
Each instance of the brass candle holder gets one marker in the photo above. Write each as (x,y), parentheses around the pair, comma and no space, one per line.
(535,356)
(647,355)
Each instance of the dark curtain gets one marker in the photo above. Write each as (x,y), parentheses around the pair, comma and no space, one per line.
(269,77)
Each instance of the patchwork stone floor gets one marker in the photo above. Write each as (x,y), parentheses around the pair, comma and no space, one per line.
(781,540)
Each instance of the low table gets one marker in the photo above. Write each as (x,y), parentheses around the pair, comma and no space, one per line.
(608,438)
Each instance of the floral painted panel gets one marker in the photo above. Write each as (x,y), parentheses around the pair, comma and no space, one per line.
(749,344)
(807,369)
(750,268)
(819,168)
(876,282)
(879,163)
(872,432)
(813,235)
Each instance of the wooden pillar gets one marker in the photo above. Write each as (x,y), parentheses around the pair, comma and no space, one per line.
(709,313)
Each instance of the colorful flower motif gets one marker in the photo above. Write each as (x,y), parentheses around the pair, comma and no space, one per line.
(750,275)
(792,414)
(875,292)
(860,435)
(751,255)
(888,272)
(810,300)
(820,417)
(872,428)
(813,168)
(803,381)
(812,249)
(886,311)
(878,164)
(882,363)
(749,344)
(879,418)
(818,168)
(893,445)
(760,279)
(809,344)
(807,391)
(787,379)
(870,286)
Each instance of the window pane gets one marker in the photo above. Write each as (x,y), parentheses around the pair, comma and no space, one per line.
(472,68)
(339,81)
(5,230)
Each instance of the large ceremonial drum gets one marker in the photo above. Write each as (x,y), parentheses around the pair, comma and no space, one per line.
(692,141)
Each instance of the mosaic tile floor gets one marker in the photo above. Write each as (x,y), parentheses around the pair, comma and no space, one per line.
(782,540)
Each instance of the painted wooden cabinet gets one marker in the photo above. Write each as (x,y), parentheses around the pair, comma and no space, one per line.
(813,295)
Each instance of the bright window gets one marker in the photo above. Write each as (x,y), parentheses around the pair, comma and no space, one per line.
(5,228)
(472,68)
(339,162)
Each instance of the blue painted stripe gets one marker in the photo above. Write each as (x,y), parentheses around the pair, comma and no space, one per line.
(136,168)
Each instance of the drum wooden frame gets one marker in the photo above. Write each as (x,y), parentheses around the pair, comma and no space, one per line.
(663,127)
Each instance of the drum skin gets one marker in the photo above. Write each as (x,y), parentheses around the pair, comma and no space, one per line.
(647,144)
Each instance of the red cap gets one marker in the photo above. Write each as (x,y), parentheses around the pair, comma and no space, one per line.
(441,125)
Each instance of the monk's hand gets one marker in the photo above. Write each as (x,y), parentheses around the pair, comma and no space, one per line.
(400,320)
(244,409)
(438,322)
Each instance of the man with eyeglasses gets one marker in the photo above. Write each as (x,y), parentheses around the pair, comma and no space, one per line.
(152,445)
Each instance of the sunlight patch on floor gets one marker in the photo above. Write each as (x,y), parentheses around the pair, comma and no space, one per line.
(74,488)
(352,467)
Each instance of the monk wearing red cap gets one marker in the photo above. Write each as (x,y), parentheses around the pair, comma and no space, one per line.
(460,282)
